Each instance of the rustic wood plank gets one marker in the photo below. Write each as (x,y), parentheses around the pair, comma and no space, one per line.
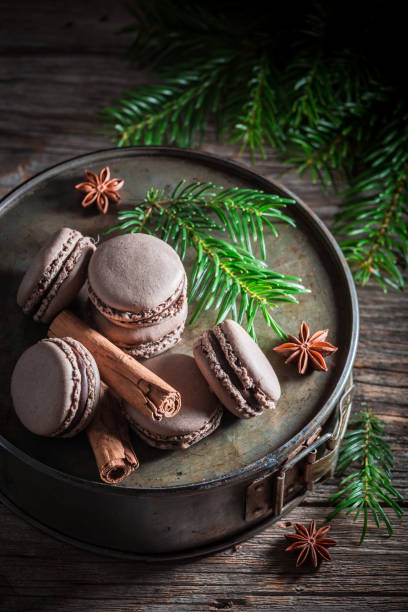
(256,575)
(62,64)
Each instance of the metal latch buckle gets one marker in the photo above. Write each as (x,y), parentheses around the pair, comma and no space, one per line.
(269,494)
(266,494)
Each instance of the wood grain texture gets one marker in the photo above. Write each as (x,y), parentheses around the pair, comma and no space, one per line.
(61,64)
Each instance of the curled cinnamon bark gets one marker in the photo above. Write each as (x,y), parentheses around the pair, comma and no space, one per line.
(131,380)
(108,435)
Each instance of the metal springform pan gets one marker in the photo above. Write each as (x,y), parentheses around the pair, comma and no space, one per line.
(249,472)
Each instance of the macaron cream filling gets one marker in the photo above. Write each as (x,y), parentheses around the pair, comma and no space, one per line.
(83,398)
(232,374)
(50,273)
(92,384)
(76,379)
(168,308)
(148,349)
(59,280)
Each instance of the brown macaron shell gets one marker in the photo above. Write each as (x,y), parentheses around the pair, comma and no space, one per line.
(236,369)
(200,412)
(55,275)
(135,278)
(55,387)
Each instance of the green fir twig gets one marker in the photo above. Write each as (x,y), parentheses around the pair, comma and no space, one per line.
(226,275)
(374,216)
(329,103)
(367,489)
(176,111)
(259,122)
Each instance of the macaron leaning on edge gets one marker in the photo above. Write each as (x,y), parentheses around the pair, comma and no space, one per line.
(55,387)
(236,369)
(56,274)
(200,412)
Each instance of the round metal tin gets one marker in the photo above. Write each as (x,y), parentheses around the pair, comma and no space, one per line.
(179,503)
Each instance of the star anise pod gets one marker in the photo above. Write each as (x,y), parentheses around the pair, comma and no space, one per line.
(100,189)
(307,349)
(310,542)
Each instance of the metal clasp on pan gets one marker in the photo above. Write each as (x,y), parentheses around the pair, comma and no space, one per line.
(270,493)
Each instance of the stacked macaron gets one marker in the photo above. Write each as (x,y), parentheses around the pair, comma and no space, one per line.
(56,274)
(137,288)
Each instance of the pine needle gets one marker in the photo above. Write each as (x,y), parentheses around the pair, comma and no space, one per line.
(366,490)
(374,217)
(321,101)
(226,276)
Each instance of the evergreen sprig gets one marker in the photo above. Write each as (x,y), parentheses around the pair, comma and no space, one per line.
(175,112)
(310,82)
(259,121)
(226,275)
(374,218)
(167,31)
(368,488)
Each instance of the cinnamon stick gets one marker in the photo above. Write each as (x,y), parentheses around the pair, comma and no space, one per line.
(123,373)
(108,435)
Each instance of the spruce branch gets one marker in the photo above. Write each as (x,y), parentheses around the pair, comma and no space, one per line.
(226,276)
(368,488)
(259,122)
(326,146)
(165,32)
(326,102)
(175,112)
(308,101)
(243,212)
(374,215)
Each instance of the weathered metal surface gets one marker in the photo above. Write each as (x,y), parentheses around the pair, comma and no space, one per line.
(159,524)
(239,450)
(309,463)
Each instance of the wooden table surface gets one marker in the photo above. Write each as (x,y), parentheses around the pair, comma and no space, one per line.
(62,62)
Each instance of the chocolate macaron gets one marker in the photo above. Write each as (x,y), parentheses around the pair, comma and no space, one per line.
(55,387)
(200,412)
(236,369)
(56,274)
(135,282)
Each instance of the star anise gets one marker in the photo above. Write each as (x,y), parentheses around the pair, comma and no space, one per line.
(100,189)
(307,349)
(310,542)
